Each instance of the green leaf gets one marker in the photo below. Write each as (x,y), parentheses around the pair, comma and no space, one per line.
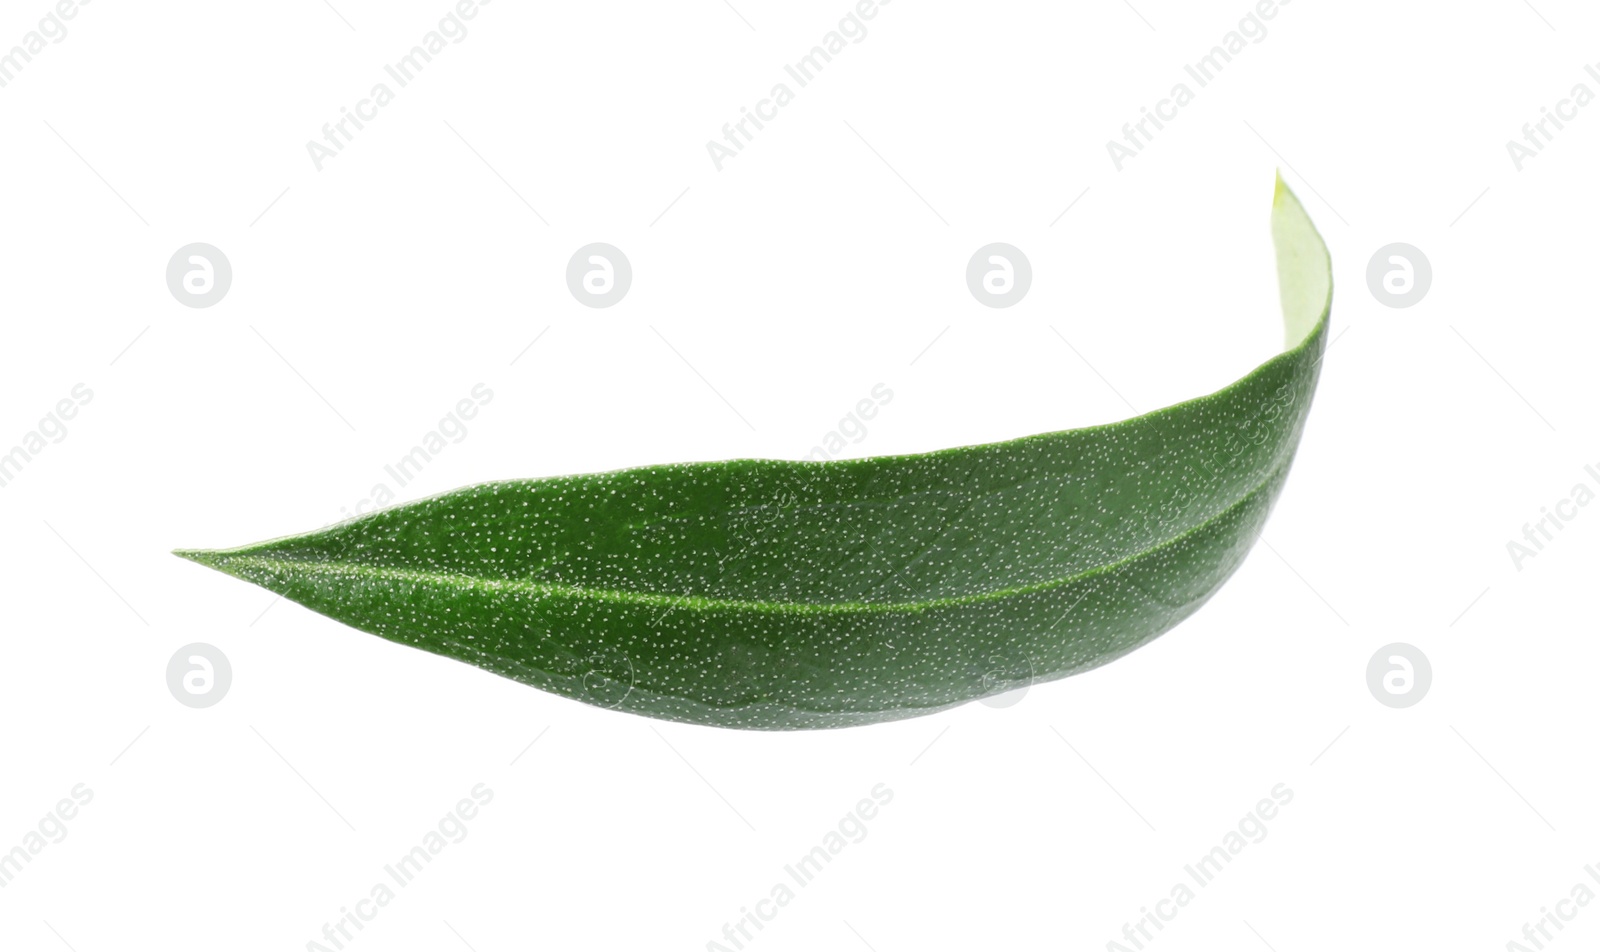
(780,595)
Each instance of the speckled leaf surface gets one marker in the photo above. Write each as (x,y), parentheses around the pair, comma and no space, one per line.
(785,595)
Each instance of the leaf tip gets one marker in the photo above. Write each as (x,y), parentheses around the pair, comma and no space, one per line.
(226,561)
(207,557)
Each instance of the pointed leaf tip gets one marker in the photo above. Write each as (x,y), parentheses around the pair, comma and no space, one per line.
(206,557)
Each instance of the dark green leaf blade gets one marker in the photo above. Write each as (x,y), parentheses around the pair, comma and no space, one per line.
(781,595)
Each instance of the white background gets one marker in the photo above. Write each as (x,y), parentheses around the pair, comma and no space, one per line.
(767,300)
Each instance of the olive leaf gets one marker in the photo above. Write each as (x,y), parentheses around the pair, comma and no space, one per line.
(777,595)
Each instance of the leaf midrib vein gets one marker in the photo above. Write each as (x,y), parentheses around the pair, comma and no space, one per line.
(225,560)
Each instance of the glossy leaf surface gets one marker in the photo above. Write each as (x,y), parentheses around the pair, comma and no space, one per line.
(781,595)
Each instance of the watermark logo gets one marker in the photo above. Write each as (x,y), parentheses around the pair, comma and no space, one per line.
(452,428)
(451,828)
(199,275)
(1399,675)
(852,426)
(1251,828)
(851,828)
(738,134)
(1536,135)
(608,677)
(1252,431)
(1536,535)
(599,275)
(339,133)
(1000,679)
(50,30)
(52,828)
(52,428)
(1252,28)
(199,675)
(999,275)
(1399,275)
(1536,935)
